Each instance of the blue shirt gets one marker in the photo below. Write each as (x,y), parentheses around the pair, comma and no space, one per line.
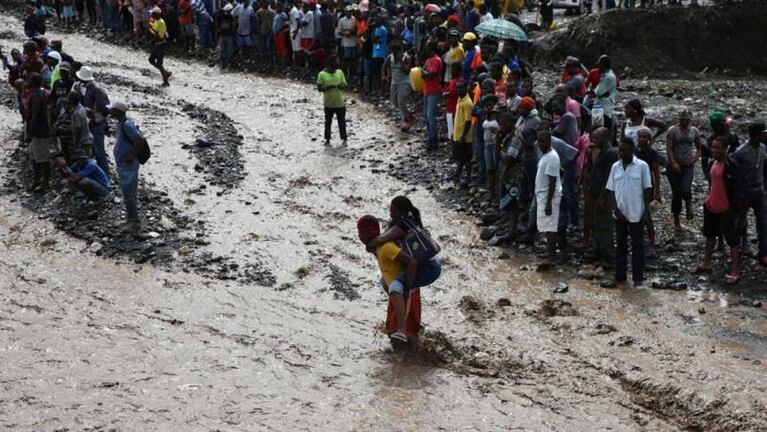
(380,47)
(92,171)
(468,59)
(279,22)
(127,134)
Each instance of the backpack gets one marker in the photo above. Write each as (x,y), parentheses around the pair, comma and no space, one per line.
(142,154)
(418,243)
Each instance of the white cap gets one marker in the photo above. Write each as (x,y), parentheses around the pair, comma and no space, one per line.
(54,55)
(118,105)
(156,10)
(85,74)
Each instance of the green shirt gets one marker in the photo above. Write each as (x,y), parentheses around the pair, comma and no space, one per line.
(333,98)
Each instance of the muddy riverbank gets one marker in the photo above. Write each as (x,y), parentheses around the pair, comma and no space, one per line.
(96,343)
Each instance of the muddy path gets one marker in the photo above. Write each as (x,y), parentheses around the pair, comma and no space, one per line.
(95,343)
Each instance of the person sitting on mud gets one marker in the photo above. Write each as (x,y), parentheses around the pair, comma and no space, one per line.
(85,176)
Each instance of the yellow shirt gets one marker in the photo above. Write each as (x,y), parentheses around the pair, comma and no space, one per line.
(391,268)
(456,54)
(462,115)
(158,28)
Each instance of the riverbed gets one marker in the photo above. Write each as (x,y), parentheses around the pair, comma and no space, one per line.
(95,343)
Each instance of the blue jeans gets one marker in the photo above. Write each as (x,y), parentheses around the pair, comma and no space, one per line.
(206,34)
(92,189)
(115,19)
(105,7)
(128,175)
(265,45)
(478,145)
(430,114)
(226,49)
(99,152)
(427,273)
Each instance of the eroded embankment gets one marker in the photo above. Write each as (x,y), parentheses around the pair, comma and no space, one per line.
(728,37)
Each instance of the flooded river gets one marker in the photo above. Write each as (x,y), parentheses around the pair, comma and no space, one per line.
(89,343)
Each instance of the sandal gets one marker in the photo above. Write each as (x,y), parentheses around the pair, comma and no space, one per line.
(399,337)
(731,279)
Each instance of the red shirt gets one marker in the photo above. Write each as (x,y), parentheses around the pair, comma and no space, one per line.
(452,96)
(717,200)
(581,91)
(433,84)
(184,12)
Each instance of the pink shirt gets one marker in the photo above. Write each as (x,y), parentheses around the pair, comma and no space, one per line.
(573,107)
(717,200)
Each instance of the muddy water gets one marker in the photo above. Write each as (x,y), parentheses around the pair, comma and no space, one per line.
(89,343)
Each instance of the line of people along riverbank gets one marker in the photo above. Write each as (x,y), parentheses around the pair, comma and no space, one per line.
(480,88)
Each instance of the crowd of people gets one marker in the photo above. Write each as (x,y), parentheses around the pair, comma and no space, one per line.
(65,114)
(573,163)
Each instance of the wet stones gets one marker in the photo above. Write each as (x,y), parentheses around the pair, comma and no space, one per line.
(218,147)
(551,308)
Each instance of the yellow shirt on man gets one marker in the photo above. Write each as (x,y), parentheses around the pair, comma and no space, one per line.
(462,115)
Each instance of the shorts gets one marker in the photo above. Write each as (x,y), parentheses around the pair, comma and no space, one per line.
(491,158)
(281,45)
(187,29)
(244,41)
(426,274)
(716,224)
(157,55)
(295,43)
(547,224)
(69,12)
(462,152)
(307,43)
(350,53)
(40,150)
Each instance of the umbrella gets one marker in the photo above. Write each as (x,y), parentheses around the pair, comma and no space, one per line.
(501,29)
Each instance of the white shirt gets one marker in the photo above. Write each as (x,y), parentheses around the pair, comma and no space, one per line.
(347,25)
(548,166)
(307,31)
(295,18)
(629,184)
(486,17)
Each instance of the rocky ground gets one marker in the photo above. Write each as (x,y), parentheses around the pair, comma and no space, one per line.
(260,311)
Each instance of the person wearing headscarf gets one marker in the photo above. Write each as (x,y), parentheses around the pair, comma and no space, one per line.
(720,127)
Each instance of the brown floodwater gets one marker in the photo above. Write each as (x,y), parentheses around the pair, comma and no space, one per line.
(88,343)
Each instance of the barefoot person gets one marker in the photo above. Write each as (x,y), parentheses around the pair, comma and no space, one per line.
(717,214)
(548,194)
(159,31)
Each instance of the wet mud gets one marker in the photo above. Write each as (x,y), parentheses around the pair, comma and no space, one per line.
(270,318)
(217,147)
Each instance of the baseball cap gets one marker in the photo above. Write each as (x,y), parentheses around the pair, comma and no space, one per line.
(118,105)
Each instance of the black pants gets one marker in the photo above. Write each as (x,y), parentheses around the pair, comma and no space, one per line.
(340,114)
(157,56)
(623,230)
(681,187)
(375,74)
